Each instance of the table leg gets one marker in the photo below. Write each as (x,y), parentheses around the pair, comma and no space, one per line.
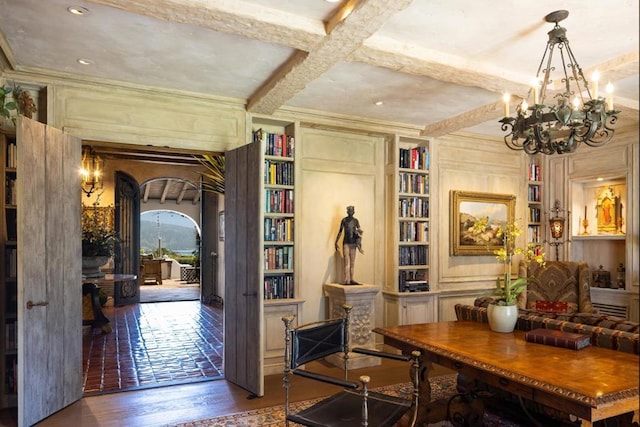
(461,409)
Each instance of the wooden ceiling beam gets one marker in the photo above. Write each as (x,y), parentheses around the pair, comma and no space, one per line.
(464,120)
(350,27)
(165,191)
(147,190)
(185,186)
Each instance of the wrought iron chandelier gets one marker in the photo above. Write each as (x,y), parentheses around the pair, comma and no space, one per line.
(578,115)
(91,171)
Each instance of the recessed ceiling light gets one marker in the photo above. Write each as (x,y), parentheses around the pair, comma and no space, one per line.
(85,61)
(378,102)
(78,10)
(599,179)
(332,1)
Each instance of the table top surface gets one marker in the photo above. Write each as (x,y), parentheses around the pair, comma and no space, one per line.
(110,278)
(593,374)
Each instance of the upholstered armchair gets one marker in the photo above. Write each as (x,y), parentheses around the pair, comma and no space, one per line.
(557,282)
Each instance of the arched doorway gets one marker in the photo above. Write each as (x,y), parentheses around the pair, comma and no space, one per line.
(170,246)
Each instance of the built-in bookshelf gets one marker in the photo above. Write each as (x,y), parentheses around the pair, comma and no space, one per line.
(260,194)
(277,147)
(408,296)
(413,217)
(8,273)
(535,214)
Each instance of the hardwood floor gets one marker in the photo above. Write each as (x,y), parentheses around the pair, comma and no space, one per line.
(166,406)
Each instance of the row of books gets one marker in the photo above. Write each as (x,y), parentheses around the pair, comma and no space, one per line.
(11,336)
(12,157)
(414,231)
(278,201)
(413,280)
(534,193)
(413,183)
(278,229)
(533,234)
(278,173)
(414,158)
(275,144)
(535,214)
(278,287)
(413,207)
(413,255)
(534,172)
(278,258)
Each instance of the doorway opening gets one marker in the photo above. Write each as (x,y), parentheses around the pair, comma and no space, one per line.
(169,257)
(163,343)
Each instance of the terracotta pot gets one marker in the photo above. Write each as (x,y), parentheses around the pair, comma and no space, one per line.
(502,318)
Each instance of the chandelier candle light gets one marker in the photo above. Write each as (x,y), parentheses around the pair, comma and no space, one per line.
(579,114)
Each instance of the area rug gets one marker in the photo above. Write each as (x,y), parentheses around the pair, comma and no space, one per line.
(441,387)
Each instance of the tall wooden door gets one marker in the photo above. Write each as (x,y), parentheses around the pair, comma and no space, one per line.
(243,308)
(127,224)
(49,271)
(209,290)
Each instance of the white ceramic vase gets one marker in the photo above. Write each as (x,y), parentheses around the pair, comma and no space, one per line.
(502,318)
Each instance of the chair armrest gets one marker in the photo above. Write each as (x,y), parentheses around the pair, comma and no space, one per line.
(383,354)
(325,379)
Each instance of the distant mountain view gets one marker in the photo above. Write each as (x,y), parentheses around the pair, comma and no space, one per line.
(176,238)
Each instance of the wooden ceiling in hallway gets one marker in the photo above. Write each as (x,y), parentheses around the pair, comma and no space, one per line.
(164,189)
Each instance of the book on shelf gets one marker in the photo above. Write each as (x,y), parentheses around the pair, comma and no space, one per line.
(11,156)
(534,172)
(556,338)
(275,144)
(414,158)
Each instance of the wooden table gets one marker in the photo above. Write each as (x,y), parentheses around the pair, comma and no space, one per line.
(115,282)
(592,384)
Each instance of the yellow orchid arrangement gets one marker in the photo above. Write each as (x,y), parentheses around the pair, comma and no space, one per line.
(508,290)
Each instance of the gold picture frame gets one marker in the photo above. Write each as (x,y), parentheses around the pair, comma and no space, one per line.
(465,208)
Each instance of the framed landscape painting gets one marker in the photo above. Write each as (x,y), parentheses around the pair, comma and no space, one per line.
(468,207)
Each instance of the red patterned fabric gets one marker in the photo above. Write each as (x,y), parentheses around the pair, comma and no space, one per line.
(552,306)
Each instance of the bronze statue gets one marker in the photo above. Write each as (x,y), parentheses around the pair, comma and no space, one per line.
(351,241)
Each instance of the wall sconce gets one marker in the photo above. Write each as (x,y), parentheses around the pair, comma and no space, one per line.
(556,225)
(91,171)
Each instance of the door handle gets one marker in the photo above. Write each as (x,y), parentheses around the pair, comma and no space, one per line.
(31,304)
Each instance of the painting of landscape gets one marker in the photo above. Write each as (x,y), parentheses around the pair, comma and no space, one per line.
(466,209)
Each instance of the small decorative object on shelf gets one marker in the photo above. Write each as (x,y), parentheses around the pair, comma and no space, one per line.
(585,224)
(601,278)
(609,211)
(620,284)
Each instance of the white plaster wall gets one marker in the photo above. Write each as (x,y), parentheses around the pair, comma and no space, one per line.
(338,169)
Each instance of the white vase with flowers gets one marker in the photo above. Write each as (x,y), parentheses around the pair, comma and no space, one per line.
(502,313)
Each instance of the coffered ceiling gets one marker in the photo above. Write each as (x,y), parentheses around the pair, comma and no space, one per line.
(438,65)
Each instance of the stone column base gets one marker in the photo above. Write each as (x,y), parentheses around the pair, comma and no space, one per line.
(362,320)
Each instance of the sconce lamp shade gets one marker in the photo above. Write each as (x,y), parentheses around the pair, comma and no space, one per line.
(91,171)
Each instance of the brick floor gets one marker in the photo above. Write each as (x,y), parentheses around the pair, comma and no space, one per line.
(152,345)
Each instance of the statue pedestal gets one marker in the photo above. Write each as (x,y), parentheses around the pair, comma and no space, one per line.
(361,322)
